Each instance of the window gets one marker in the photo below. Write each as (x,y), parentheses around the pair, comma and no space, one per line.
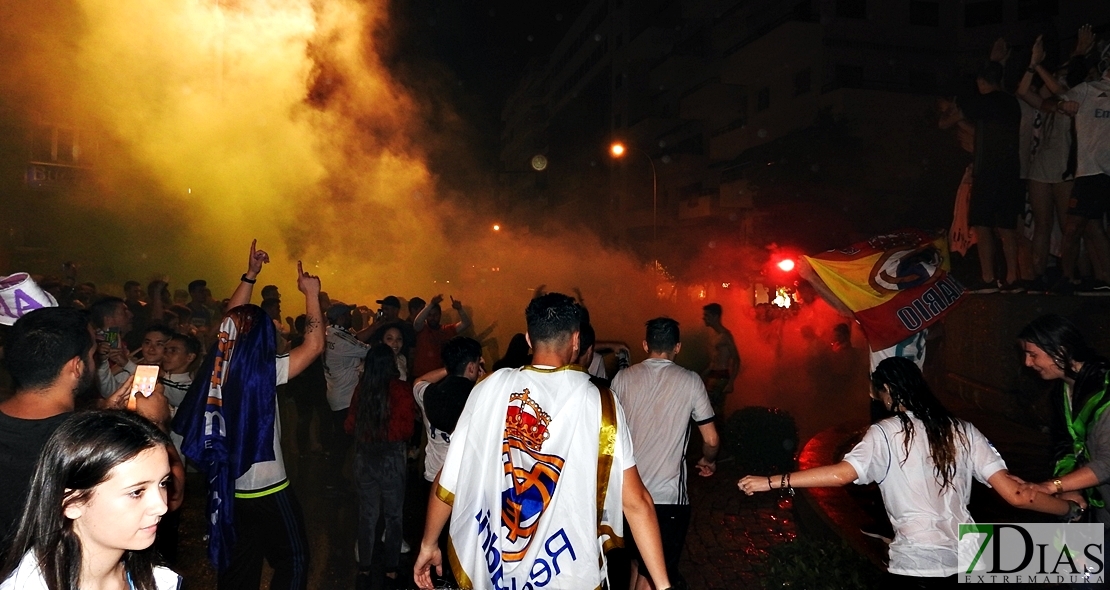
(849,76)
(61,145)
(763,99)
(851,8)
(924,14)
(984,13)
(803,81)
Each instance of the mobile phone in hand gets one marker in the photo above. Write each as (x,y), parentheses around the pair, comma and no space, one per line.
(112,336)
(146,377)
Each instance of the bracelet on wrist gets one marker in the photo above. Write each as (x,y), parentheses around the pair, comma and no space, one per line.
(1059,486)
(246,280)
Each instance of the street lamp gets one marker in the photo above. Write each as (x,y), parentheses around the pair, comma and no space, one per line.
(618,150)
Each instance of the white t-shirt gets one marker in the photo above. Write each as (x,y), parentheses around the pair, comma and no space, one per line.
(659,400)
(109,383)
(597,367)
(28,576)
(343,356)
(176,386)
(438,441)
(1092,127)
(267,474)
(925,518)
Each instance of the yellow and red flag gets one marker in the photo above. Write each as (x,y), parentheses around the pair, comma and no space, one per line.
(896,284)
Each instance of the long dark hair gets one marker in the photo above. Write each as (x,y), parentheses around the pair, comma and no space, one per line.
(379,370)
(79,456)
(1059,339)
(909,390)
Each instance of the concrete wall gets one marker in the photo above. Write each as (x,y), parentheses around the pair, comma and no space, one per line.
(978,358)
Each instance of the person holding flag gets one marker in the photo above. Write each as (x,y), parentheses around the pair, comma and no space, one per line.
(895,285)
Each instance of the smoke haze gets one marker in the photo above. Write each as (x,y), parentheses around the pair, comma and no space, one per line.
(210,123)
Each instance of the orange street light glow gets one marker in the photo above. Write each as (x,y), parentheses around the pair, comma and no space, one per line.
(617,150)
(786,265)
(496,227)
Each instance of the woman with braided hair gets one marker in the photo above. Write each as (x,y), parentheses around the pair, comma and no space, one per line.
(923,459)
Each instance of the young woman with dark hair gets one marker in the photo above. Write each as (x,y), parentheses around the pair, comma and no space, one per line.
(1056,350)
(92,512)
(381,418)
(923,459)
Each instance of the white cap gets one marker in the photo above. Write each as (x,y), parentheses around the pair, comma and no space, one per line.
(19,294)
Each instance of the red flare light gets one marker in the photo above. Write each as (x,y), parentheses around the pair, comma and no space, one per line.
(786,265)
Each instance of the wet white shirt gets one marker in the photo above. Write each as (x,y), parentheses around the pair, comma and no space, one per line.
(925,518)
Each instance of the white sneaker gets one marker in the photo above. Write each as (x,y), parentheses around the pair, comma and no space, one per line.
(404,545)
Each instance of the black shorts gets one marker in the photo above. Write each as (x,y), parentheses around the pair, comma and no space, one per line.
(674,521)
(996,200)
(1090,196)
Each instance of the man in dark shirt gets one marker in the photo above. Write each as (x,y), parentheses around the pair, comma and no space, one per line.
(997,194)
(49,354)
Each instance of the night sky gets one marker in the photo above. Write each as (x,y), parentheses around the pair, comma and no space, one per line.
(484,45)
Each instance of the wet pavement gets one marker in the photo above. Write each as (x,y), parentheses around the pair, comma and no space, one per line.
(729,532)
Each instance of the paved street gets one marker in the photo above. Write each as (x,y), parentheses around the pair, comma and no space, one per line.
(729,533)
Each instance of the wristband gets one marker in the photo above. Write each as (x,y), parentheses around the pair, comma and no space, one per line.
(1059,486)
(1074,511)
(246,280)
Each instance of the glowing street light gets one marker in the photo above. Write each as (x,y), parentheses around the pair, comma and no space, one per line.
(617,149)
(497,227)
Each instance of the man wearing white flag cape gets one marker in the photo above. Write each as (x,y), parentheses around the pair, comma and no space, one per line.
(539,471)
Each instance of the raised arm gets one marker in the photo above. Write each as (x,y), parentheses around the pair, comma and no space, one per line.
(464,319)
(1033,99)
(422,317)
(242,294)
(302,356)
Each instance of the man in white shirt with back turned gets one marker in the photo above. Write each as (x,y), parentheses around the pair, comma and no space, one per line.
(660,399)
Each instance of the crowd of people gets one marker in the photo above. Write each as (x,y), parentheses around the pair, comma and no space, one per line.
(370,381)
(1040,171)
(568,462)
(534,470)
